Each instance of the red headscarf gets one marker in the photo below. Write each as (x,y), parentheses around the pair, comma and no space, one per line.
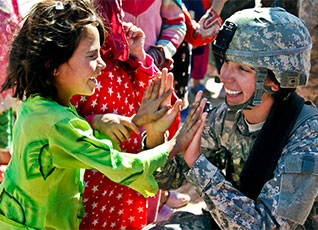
(115,44)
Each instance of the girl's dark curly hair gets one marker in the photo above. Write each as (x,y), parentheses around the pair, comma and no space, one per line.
(48,38)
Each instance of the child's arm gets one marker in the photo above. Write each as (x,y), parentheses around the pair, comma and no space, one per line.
(205,31)
(71,145)
(136,41)
(155,105)
(145,70)
(173,30)
(116,127)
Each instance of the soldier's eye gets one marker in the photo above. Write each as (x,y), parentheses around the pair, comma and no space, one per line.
(244,68)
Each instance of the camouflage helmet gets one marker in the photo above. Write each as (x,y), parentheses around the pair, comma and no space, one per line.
(267,39)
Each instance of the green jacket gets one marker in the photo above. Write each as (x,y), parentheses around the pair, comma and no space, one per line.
(52,144)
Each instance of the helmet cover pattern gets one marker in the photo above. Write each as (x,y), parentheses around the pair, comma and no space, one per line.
(273,39)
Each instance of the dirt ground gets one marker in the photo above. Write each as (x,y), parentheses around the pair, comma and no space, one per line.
(196,203)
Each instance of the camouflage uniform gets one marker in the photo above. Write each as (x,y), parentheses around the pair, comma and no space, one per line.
(276,206)
(278,41)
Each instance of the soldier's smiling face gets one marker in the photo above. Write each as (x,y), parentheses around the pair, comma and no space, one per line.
(239,82)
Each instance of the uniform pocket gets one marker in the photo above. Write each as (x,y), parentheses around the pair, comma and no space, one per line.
(298,187)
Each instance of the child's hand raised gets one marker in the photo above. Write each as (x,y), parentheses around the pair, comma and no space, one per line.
(116,127)
(136,41)
(156,129)
(152,107)
(161,125)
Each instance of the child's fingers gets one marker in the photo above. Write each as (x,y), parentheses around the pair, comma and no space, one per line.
(195,105)
(113,137)
(196,130)
(131,127)
(131,31)
(161,110)
(121,133)
(156,88)
(163,81)
(159,113)
(158,75)
(164,97)
(126,27)
(198,104)
(170,80)
(169,85)
(195,127)
(176,108)
(198,133)
(195,112)
(149,89)
(136,32)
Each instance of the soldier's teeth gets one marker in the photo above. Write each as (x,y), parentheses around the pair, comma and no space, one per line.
(232,92)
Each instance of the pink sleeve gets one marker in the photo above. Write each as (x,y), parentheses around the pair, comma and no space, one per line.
(142,75)
(149,69)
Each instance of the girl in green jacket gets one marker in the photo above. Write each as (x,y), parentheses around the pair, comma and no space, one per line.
(55,55)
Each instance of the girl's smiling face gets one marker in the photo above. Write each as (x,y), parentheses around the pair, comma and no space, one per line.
(239,82)
(78,74)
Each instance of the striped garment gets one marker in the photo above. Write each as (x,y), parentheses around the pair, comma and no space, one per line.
(162,21)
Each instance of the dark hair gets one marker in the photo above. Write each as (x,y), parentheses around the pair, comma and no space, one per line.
(283,93)
(48,38)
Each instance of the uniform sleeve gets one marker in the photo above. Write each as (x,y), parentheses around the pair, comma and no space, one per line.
(285,201)
(173,27)
(72,145)
(172,175)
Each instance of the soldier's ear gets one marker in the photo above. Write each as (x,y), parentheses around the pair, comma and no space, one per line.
(275,87)
(269,83)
